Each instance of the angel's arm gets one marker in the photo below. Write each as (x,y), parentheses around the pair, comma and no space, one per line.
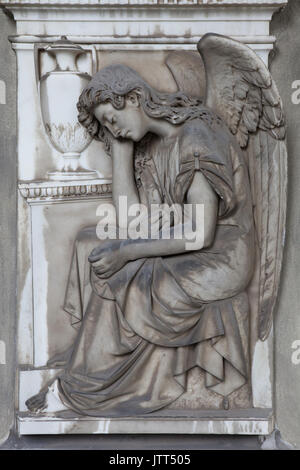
(200,192)
(122,153)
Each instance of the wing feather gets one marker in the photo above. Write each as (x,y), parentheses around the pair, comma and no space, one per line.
(240,89)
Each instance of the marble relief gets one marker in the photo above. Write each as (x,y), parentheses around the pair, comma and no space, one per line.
(157,323)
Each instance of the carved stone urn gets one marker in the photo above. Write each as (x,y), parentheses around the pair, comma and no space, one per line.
(59,93)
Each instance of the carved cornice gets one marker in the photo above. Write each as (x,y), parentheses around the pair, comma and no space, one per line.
(132,23)
(64,191)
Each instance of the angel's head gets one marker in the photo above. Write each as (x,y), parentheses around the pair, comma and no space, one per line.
(118,100)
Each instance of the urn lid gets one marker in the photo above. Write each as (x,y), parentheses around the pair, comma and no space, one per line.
(63,44)
(65,53)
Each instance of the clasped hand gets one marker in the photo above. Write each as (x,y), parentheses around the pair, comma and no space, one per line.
(108,258)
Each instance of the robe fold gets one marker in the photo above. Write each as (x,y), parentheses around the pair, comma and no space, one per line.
(141,330)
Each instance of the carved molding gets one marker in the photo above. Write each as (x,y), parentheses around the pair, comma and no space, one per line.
(26,42)
(136,24)
(63,191)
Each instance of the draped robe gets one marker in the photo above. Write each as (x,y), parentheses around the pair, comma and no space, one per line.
(141,330)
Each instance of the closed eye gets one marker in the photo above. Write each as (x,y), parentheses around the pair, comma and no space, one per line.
(106,119)
(111,119)
(110,127)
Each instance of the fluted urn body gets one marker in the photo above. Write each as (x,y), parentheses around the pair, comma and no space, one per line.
(59,93)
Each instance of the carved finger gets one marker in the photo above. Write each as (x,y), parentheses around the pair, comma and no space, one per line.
(99,263)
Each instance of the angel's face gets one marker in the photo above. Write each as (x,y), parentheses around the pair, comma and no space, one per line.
(127,123)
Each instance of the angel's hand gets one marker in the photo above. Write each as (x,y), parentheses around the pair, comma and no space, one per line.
(106,247)
(109,264)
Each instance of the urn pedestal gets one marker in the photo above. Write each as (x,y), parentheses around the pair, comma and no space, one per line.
(59,93)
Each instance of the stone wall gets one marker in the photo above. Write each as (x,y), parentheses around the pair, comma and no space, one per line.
(285,68)
(8,235)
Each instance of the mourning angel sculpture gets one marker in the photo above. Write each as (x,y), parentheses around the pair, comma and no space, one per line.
(149,310)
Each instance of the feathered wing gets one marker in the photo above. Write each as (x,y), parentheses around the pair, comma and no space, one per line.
(240,89)
(188,72)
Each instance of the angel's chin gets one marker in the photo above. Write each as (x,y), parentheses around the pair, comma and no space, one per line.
(134,138)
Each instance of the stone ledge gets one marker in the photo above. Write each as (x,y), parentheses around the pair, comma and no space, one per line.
(253,421)
(130,42)
(58,191)
(250,422)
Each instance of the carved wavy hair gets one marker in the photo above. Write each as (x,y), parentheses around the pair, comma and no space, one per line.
(113,83)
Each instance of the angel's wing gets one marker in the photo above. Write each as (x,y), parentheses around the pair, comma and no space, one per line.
(188,72)
(240,89)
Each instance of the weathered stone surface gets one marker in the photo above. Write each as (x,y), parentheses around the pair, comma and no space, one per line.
(8,235)
(285,68)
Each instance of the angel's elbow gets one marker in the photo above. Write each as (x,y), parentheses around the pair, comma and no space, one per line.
(209,238)
(208,242)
